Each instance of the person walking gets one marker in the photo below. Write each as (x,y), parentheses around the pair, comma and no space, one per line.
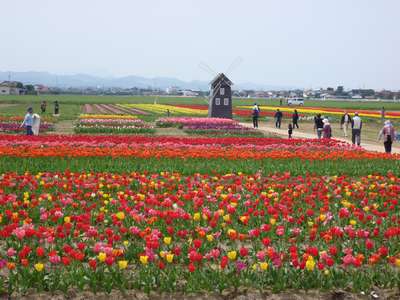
(388,133)
(295,119)
(56,108)
(356,126)
(28,121)
(255,114)
(318,125)
(290,130)
(345,121)
(43,106)
(383,113)
(327,129)
(278,118)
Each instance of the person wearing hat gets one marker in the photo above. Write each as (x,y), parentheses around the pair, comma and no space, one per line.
(356,126)
(28,121)
(388,134)
(327,129)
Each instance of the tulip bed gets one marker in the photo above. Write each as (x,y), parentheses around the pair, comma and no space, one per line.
(164,108)
(208,126)
(173,214)
(245,111)
(117,124)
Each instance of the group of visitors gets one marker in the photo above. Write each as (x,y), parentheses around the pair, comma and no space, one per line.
(324,130)
(31,121)
(43,106)
(278,119)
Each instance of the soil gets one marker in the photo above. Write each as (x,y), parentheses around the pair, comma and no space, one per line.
(240,295)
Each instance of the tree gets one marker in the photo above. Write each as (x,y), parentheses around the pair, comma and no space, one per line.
(30,89)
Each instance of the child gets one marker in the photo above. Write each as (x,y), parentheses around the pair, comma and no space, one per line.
(290,130)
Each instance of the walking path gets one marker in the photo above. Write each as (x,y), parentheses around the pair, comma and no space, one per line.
(304,135)
(63,127)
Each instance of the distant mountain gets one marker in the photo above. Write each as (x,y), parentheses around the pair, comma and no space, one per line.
(85,80)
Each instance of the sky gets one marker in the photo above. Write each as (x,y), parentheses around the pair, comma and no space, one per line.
(301,43)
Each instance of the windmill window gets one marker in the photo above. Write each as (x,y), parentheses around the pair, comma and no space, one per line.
(217,101)
(226,101)
(222,91)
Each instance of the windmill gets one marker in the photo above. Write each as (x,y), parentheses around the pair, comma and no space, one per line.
(220,97)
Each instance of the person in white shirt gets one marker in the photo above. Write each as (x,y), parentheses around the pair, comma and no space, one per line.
(356,126)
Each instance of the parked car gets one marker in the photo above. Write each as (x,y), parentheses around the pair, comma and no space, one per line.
(295,101)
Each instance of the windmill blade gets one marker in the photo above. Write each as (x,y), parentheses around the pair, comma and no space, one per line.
(207,68)
(235,63)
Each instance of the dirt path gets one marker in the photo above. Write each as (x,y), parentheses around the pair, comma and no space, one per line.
(170,131)
(63,127)
(303,135)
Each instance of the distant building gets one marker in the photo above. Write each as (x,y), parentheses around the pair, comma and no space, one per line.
(172,90)
(364,93)
(11,88)
(40,88)
(189,93)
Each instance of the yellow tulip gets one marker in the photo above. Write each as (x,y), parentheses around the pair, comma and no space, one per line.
(310,263)
(102,256)
(144,259)
(39,267)
(232,255)
(196,216)
(263,266)
(170,257)
(167,240)
(120,215)
(122,264)
(67,219)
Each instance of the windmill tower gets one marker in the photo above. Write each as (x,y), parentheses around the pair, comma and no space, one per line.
(220,102)
(220,98)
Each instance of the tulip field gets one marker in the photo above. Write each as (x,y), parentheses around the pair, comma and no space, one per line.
(152,198)
(183,214)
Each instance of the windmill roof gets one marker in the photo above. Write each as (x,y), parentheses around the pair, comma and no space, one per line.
(221,77)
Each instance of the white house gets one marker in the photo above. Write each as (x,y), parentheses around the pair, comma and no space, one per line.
(10,88)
